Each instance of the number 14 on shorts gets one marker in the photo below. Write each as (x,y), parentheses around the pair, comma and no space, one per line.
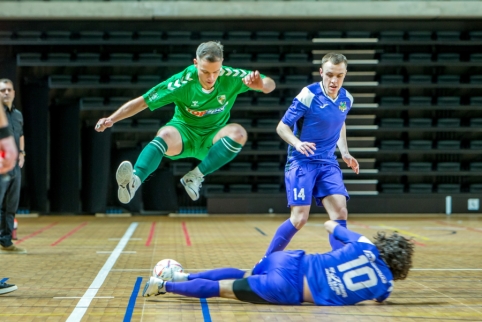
(299,195)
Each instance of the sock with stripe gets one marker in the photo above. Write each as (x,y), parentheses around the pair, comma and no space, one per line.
(150,158)
(197,288)
(218,274)
(219,154)
(335,243)
(282,237)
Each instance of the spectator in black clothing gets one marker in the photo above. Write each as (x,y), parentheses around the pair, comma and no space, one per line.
(10,183)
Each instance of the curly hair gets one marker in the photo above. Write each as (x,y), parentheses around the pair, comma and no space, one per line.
(397,252)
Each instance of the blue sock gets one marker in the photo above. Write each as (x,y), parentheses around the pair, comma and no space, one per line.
(282,237)
(335,243)
(198,288)
(218,274)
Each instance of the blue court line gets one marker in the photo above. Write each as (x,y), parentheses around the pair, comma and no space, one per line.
(132,300)
(205,309)
(260,231)
(4,280)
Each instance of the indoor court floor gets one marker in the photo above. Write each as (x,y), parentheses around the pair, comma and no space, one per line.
(87,268)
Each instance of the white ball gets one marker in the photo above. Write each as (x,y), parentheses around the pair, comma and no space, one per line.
(165,268)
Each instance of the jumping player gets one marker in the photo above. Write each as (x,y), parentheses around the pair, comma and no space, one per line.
(318,116)
(359,271)
(204,94)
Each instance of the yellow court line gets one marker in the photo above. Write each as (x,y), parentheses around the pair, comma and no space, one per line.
(405,232)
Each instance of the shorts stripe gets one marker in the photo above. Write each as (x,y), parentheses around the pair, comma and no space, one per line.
(229,146)
(159,145)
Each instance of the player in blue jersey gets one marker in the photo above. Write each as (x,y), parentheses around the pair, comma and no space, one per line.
(358,271)
(318,116)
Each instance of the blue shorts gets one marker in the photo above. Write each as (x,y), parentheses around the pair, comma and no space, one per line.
(278,279)
(317,180)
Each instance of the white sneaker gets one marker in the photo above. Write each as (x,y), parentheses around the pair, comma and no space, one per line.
(128,182)
(154,286)
(192,184)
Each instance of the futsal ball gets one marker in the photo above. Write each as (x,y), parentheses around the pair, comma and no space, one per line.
(165,268)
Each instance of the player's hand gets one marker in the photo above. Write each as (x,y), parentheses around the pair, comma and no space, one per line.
(253,80)
(103,124)
(306,148)
(8,154)
(351,162)
(21,160)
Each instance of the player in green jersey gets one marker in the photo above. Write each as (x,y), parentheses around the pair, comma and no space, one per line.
(204,94)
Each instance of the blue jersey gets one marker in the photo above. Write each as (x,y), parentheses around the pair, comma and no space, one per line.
(317,118)
(348,275)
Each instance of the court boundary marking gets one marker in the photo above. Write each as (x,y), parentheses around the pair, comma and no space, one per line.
(84,302)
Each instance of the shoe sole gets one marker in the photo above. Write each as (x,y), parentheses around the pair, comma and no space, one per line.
(8,289)
(193,194)
(123,177)
(12,252)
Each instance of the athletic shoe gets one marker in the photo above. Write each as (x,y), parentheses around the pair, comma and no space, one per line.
(12,249)
(154,286)
(7,288)
(128,182)
(192,184)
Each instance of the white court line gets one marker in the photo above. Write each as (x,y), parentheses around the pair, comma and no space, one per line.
(120,239)
(79,297)
(84,302)
(109,252)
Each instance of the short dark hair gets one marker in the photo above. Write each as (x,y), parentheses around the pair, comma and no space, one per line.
(334,58)
(6,81)
(397,252)
(212,51)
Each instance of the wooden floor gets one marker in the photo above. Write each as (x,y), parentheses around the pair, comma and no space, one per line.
(94,269)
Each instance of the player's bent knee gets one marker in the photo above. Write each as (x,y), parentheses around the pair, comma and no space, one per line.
(245,293)
(299,220)
(238,134)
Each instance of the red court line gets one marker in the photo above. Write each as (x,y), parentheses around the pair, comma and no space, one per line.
(35,233)
(468,228)
(418,243)
(70,233)
(186,234)
(151,233)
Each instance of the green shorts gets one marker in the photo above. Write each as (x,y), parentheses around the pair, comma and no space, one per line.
(196,141)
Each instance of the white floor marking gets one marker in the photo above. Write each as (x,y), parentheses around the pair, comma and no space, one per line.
(120,239)
(79,297)
(108,252)
(84,302)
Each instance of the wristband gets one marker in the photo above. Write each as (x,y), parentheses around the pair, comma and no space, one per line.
(5,132)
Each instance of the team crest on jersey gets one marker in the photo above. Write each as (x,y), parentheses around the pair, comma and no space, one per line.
(342,106)
(222,99)
(195,103)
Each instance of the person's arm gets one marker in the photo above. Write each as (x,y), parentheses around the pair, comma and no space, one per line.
(343,146)
(21,155)
(254,81)
(285,132)
(125,111)
(341,233)
(8,148)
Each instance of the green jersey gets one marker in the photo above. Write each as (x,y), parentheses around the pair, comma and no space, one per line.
(194,105)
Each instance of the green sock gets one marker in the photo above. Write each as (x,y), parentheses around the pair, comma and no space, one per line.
(219,154)
(150,158)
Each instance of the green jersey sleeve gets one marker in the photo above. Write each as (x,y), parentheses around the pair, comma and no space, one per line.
(235,76)
(169,90)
